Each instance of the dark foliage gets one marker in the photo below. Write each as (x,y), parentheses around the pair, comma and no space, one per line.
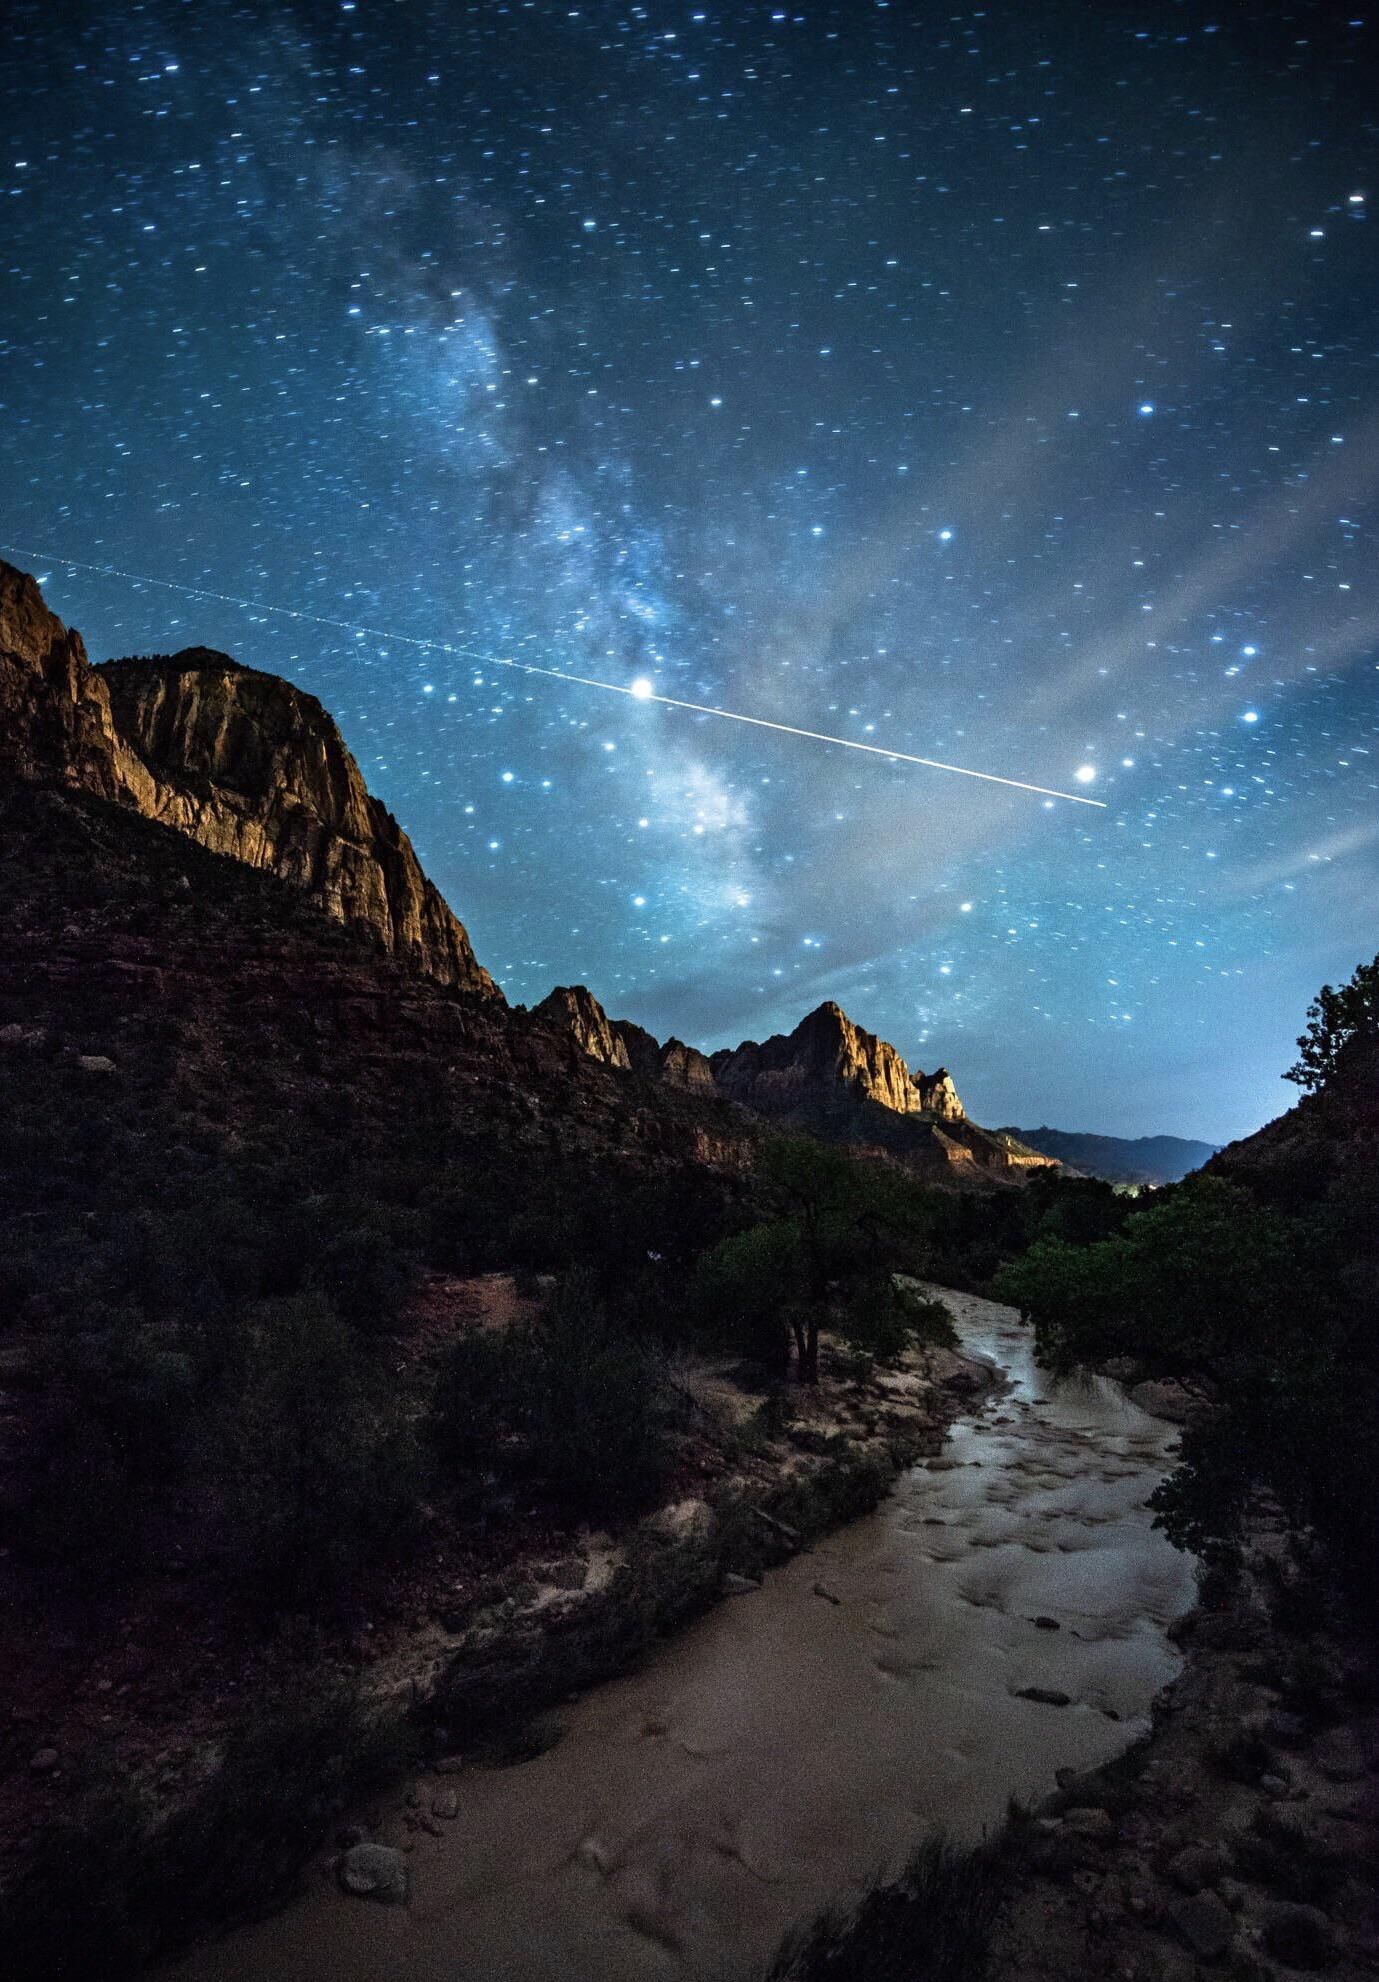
(108,1886)
(1334,1020)
(1262,1273)
(935,1922)
(575,1402)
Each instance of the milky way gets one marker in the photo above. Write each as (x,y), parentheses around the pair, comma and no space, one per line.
(1000,387)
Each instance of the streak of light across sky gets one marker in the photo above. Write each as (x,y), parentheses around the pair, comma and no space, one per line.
(639,691)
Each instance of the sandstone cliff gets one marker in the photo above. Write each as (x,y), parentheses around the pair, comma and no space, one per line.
(828,1075)
(55,721)
(828,1052)
(574,1009)
(686,1066)
(674,1063)
(253,767)
(937,1095)
(240,761)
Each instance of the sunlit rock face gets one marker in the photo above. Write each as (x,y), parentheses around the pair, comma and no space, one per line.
(253,767)
(577,1011)
(242,762)
(826,1053)
(686,1066)
(828,1076)
(938,1096)
(55,721)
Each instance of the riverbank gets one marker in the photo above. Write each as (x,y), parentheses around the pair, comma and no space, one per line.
(165,1787)
(1242,1836)
(1001,1614)
(1238,1837)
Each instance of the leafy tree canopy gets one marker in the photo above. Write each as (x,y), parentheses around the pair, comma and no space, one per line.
(1335,1019)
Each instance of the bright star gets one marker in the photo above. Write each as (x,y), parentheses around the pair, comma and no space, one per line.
(643,689)
(1085,774)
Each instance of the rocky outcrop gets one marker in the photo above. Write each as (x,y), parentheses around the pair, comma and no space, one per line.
(828,1076)
(643,1048)
(686,1066)
(574,1009)
(252,767)
(240,761)
(938,1096)
(825,1052)
(674,1063)
(55,721)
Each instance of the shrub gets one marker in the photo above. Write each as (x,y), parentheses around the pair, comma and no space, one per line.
(574,1400)
(316,1468)
(935,1922)
(107,1886)
(741,1288)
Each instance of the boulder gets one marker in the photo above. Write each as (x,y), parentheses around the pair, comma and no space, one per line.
(1300,1936)
(374,1871)
(1205,1923)
(1198,1866)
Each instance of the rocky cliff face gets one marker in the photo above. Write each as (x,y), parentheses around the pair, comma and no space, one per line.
(240,761)
(825,1052)
(574,1009)
(686,1066)
(938,1096)
(253,767)
(55,721)
(828,1075)
(828,1054)
(674,1063)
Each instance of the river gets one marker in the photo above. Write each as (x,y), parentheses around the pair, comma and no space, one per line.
(788,1749)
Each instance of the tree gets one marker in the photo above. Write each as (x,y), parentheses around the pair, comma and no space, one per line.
(842,1224)
(1334,1019)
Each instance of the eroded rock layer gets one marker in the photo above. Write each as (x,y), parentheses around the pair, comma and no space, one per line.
(240,761)
(828,1075)
(253,767)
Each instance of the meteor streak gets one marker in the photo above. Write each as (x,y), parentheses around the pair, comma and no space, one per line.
(639,690)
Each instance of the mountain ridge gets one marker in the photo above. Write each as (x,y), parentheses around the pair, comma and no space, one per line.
(829,1076)
(1153,1159)
(250,766)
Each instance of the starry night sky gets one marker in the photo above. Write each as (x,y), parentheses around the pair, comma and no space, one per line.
(1002,385)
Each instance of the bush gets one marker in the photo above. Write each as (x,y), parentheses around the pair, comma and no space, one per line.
(741,1288)
(1201,1273)
(935,1922)
(574,1400)
(114,1437)
(316,1469)
(107,1886)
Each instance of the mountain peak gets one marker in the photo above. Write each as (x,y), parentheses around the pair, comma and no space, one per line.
(239,760)
(28,628)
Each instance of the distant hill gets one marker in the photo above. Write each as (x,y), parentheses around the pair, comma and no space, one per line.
(1120,1159)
